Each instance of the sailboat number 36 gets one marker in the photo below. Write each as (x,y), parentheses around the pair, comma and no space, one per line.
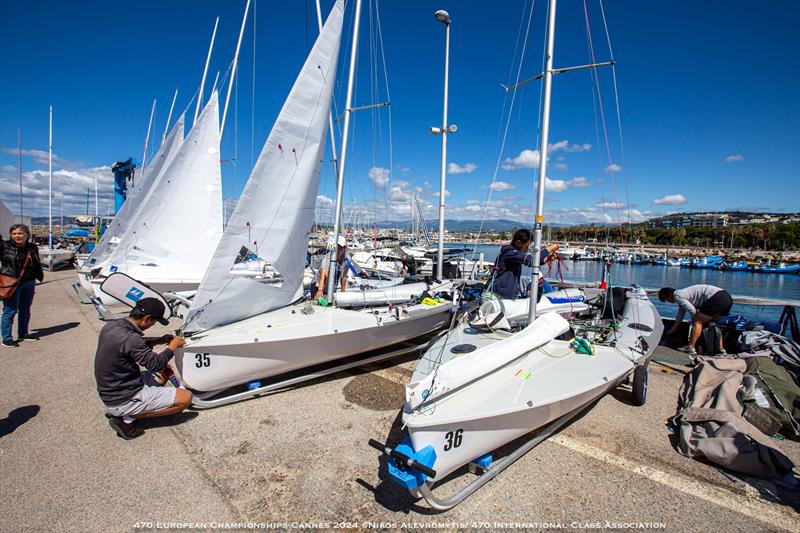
(453,439)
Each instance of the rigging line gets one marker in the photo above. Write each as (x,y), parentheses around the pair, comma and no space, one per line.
(511,72)
(386,83)
(602,117)
(619,117)
(505,132)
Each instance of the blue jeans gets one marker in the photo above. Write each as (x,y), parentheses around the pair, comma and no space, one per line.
(20,302)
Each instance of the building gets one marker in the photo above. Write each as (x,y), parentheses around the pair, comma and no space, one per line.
(690,220)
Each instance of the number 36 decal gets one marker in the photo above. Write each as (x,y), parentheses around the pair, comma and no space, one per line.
(453,439)
(202,360)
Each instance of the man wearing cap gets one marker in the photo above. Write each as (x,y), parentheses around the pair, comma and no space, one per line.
(128,393)
(342,265)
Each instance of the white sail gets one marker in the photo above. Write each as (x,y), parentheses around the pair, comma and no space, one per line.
(133,204)
(276,210)
(180,220)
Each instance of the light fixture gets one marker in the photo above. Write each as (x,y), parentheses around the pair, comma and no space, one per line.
(442,16)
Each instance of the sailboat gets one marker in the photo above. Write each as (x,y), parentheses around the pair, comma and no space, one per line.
(53,258)
(240,330)
(133,205)
(487,381)
(186,199)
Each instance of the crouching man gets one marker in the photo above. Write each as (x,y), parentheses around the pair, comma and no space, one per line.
(128,393)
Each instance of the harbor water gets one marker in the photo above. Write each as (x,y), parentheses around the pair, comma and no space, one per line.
(780,286)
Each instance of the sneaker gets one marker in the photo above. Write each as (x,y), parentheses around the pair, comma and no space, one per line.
(27,337)
(125,430)
(723,352)
(688,350)
(10,344)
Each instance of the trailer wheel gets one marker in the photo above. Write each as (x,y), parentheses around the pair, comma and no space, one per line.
(639,389)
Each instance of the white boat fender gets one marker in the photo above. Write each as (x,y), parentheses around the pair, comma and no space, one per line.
(408,468)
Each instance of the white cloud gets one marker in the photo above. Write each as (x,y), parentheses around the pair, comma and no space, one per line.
(579,181)
(670,199)
(554,185)
(398,195)
(561,166)
(734,158)
(323,202)
(8,168)
(609,205)
(499,186)
(405,170)
(473,208)
(613,167)
(607,218)
(525,159)
(446,193)
(379,177)
(455,168)
(69,186)
(566,147)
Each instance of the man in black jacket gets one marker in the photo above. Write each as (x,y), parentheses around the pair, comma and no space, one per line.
(128,393)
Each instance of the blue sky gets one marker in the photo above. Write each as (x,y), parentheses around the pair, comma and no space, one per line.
(709,101)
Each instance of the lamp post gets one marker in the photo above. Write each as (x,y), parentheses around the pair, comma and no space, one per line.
(443,17)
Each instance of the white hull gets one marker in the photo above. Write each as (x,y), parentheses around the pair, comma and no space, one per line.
(388,296)
(524,395)
(283,340)
(55,259)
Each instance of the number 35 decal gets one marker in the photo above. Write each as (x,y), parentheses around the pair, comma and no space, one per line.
(202,360)
(453,439)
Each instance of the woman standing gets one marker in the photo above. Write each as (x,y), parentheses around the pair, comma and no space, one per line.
(20,259)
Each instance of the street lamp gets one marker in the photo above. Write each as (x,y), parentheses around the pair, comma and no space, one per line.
(443,17)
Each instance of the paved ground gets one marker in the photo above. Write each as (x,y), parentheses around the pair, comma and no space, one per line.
(301,456)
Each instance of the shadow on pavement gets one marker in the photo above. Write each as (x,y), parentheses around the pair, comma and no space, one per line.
(16,418)
(167,421)
(52,330)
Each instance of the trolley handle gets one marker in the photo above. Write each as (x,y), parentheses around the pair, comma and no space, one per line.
(406,460)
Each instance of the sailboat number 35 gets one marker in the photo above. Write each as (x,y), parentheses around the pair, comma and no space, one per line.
(453,439)
(202,360)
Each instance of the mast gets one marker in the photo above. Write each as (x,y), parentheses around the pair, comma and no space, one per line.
(548,83)
(19,150)
(444,18)
(169,117)
(340,182)
(205,72)
(330,115)
(50,189)
(233,70)
(147,139)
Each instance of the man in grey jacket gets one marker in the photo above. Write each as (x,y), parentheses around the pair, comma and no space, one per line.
(128,393)
(704,303)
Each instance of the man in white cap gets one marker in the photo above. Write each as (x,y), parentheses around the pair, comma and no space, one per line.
(342,262)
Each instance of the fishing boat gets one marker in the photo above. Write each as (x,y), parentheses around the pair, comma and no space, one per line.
(736,266)
(488,380)
(240,331)
(780,268)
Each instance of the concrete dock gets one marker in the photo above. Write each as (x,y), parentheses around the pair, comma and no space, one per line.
(299,458)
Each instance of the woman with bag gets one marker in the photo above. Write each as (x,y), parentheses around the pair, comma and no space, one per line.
(20,269)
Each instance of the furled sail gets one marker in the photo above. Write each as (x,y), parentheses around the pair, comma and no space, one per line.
(180,220)
(276,210)
(130,209)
